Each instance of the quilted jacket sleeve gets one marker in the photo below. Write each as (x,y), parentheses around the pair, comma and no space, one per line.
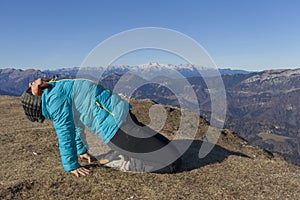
(66,133)
(80,135)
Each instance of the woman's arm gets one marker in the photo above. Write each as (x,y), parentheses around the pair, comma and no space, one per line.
(80,138)
(82,151)
(65,130)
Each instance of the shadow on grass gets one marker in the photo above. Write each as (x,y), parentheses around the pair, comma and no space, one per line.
(191,160)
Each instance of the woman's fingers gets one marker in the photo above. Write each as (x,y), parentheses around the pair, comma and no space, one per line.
(80,172)
(83,171)
(89,159)
(86,156)
(75,173)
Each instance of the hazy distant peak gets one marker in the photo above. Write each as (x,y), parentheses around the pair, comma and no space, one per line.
(273,74)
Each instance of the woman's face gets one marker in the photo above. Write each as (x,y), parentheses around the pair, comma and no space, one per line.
(36,87)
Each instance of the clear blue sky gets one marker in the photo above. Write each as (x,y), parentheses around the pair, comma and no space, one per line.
(243,34)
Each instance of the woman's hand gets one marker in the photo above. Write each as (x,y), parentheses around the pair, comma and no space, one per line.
(86,156)
(81,171)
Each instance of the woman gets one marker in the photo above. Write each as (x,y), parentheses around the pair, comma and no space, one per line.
(73,104)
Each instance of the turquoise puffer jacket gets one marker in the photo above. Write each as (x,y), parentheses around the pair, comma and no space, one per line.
(73,104)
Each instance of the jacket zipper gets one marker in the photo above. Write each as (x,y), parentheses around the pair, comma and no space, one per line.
(106,109)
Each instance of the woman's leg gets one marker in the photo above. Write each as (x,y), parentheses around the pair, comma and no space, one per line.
(138,141)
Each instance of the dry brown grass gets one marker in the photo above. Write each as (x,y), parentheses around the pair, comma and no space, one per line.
(234,169)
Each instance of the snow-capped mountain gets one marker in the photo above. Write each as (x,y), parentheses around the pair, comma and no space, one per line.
(154,69)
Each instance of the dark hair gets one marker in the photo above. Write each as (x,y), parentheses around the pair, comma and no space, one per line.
(32,106)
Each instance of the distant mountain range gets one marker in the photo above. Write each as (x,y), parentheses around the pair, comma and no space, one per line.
(155,69)
(15,81)
(263,107)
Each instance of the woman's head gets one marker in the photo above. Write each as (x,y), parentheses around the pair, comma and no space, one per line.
(32,100)
(32,106)
(37,87)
